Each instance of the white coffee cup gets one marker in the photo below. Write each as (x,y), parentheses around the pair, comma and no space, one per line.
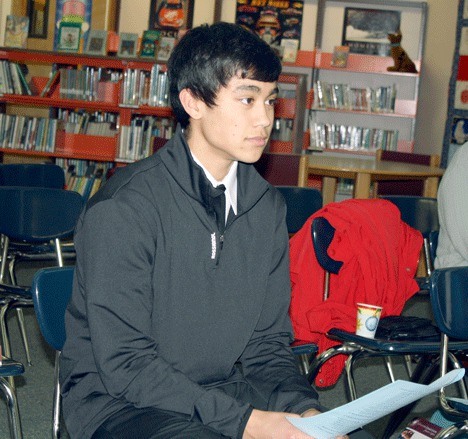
(368,317)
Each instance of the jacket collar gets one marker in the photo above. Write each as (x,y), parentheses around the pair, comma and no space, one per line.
(179,162)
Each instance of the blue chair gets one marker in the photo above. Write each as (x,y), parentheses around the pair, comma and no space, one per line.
(301,203)
(10,368)
(32,175)
(355,346)
(420,213)
(37,216)
(449,299)
(51,291)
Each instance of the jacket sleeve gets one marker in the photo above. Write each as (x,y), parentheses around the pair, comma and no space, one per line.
(268,362)
(115,247)
(452,249)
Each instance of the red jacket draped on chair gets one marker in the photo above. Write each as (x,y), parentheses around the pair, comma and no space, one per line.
(380,255)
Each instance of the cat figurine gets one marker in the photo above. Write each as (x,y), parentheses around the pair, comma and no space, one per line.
(402,62)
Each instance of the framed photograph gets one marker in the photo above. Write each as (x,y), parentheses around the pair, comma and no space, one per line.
(149,43)
(365,30)
(38,13)
(166,44)
(128,43)
(16,31)
(97,42)
(69,37)
(171,16)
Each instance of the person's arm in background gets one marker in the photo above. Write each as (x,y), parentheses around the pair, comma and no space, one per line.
(452,197)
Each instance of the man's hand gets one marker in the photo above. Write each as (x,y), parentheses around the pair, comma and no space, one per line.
(313,412)
(272,425)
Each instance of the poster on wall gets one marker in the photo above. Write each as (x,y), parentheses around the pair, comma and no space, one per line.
(272,20)
(366,31)
(171,16)
(73,11)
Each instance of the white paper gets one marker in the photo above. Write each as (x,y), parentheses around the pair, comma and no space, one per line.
(342,420)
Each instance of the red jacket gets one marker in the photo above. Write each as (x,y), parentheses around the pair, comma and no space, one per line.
(380,255)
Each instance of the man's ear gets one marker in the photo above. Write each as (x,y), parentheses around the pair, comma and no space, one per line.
(192,105)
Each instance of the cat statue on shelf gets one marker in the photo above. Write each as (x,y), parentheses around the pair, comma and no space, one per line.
(402,62)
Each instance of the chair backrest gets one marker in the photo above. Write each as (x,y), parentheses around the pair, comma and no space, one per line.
(51,291)
(449,300)
(301,203)
(36,215)
(279,169)
(322,236)
(405,187)
(32,175)
(418,212)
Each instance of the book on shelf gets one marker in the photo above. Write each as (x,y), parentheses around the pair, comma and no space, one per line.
(289,47)
(50,84)
(340,56)
(149,43)
(16,31)
(166,45)
(420,428)
(128,44)
(97,42)
(344,97)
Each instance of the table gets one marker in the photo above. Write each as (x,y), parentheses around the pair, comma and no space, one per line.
(364,171)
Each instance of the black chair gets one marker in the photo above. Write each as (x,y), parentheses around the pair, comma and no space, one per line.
(420,213)
(32,175)
(449,299)
(301,203)
(37,216)
(51,292)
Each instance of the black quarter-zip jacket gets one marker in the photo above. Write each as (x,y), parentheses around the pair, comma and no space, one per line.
(161,316)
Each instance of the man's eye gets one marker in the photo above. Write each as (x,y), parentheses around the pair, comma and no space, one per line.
(271,102)
(247,101)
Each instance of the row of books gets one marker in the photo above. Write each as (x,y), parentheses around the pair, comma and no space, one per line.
(13,79)
(83,176)
(83,84)
(97,123)
(27,133)
(136,140)
(334,136)
(140,87)
(344,97)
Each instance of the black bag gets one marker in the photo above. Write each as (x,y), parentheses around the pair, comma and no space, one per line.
(408,328)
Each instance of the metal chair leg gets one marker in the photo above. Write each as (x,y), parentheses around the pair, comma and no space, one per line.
(57,400)
(24,336)
(6,340)
(14,420)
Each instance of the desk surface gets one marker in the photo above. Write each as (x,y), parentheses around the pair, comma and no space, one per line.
(371,166)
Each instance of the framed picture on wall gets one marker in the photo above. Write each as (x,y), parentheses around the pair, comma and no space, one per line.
(365,30)
(97,42)
(128,45)
(171,16)
(69,37)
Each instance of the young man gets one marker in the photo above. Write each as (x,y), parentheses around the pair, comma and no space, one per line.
(178,327)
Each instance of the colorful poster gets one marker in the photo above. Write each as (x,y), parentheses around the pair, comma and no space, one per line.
(272,20)
(73,11)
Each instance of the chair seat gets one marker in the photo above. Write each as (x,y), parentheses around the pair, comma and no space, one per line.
(382,347)
(11,368)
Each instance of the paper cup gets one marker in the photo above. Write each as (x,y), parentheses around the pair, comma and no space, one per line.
(368,317)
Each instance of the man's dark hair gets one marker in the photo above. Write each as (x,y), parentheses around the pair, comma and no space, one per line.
(208,56)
